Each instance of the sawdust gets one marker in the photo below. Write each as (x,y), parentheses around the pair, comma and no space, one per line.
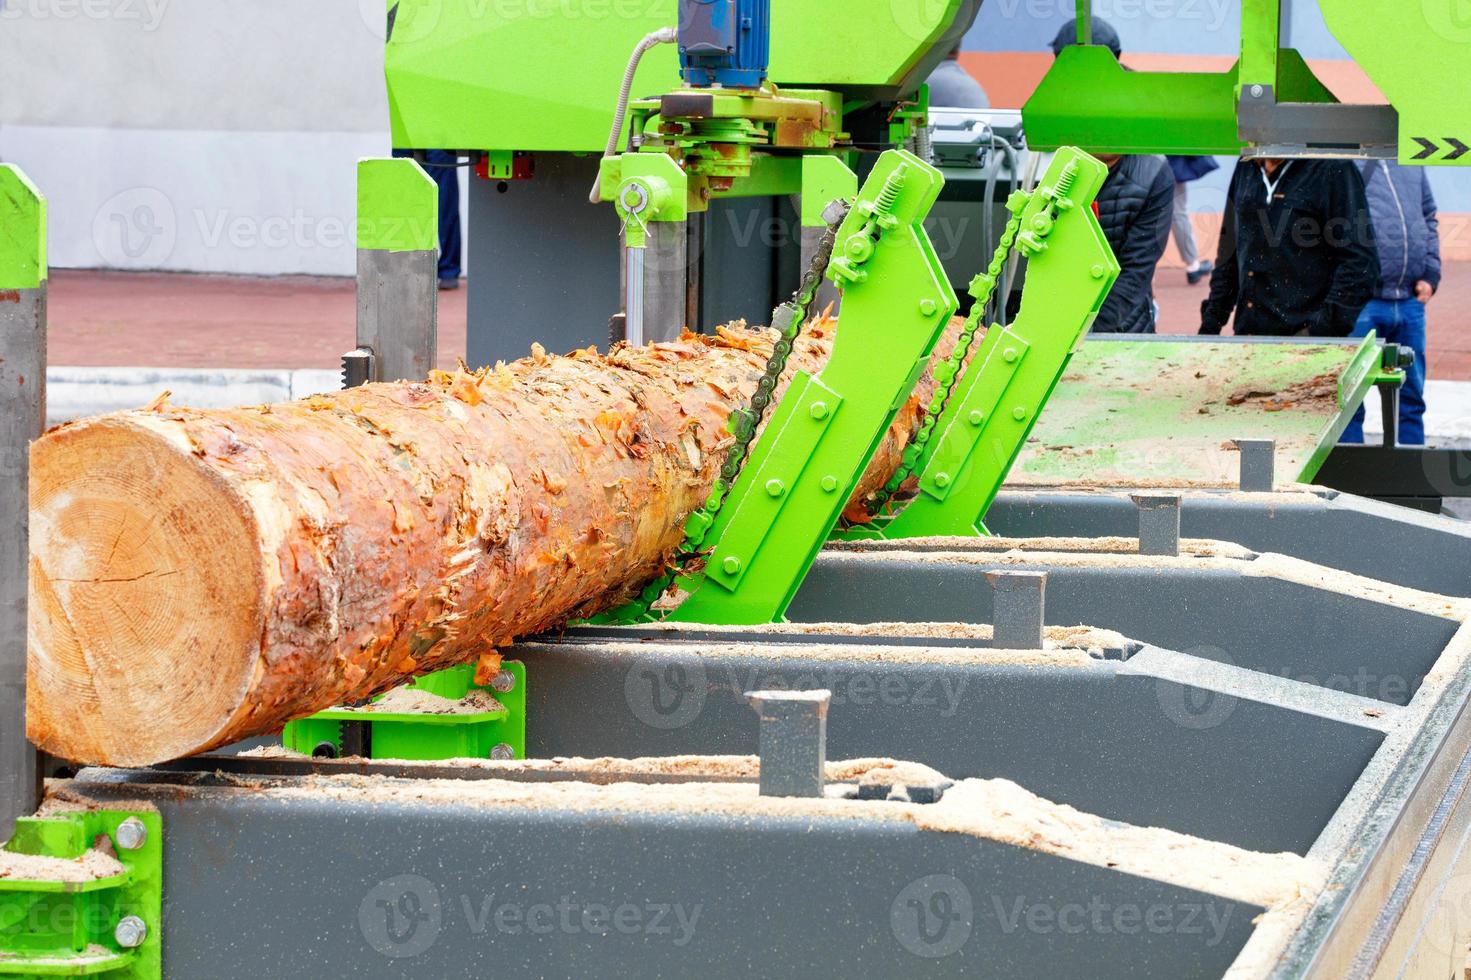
(1197,547)
(1055,637)
(94,864)
(412,700)
(897,656)
(988,809)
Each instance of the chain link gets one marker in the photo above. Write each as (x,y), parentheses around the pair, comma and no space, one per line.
(948,371)
(789,319)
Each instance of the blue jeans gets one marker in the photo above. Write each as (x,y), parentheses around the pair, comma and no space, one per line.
(1397,321)
(448,179)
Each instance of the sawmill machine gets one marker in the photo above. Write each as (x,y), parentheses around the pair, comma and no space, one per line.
(778,100)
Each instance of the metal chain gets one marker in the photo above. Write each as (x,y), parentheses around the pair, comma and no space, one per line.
(949,370)
(789,319)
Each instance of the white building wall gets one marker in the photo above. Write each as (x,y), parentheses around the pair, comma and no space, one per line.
(195,135)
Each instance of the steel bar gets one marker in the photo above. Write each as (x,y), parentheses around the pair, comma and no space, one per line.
(22,415)
(1159,523)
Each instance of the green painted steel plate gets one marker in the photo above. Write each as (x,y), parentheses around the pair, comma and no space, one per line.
(1166,411)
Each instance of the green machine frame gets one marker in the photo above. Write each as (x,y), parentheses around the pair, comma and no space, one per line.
(1269,103)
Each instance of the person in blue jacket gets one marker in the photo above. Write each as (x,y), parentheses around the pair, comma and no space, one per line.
(1407,230)
(1186,170)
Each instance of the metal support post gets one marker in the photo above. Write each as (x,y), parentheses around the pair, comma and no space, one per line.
(1020,609)
(1389,407)
(1258,464)
(398,263)
(793,741)
(1159,523)
(23,276)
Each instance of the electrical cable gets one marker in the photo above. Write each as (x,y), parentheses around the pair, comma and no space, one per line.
(665,35)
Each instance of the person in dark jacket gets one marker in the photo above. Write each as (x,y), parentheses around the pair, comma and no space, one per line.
(1135,208)
(1407,233)
(1186,171)
(1296,255)
(952,87)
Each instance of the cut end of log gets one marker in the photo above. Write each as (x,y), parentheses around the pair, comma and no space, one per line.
(144,589)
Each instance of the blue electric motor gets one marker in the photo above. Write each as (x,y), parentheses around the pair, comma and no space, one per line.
(724,42)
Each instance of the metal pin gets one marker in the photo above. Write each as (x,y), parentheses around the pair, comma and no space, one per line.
(1159,523)
(1020,600)
(793,741)
(1258,463)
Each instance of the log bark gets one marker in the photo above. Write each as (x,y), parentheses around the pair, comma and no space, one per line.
(199,577)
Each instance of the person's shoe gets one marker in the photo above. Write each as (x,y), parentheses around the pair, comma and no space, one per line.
(447,284)
(1202,271)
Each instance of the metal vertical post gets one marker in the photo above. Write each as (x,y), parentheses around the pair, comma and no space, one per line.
(1261,37)
(793,741)
(1085,21)
(1019,609)
(23,276)
(398,266)
(1258,464)
(1159,523)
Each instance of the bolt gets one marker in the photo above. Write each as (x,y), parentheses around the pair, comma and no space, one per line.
(1098,271)
(1019,413)
(1256,91)
(1009,354)
(942,480)
(829,483)
(504,682)
(927,306)
(131,834)
(775,488)
(731,565)
(977,417)
(818,410)
(130,932)
(502,753)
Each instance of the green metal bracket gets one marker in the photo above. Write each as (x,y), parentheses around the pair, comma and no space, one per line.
(1261,39)
(394,197)
(644,187)
(824,431)
(825,179)
(1149,112)
(22,231)
(993,407)
(108,927)
(409,735)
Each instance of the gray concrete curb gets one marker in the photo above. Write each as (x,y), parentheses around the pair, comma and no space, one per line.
(75,392)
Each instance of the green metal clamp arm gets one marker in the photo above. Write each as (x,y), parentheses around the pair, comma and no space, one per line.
(824,432)
(993,407)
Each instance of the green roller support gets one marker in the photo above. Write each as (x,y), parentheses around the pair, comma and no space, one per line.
(995,404)
(826,428)
(22,231)
(394,197)
(108,927)
(428,737)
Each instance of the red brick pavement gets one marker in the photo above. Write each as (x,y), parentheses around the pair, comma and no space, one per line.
(176,320)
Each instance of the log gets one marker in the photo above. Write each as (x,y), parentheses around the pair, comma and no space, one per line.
(199,577)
